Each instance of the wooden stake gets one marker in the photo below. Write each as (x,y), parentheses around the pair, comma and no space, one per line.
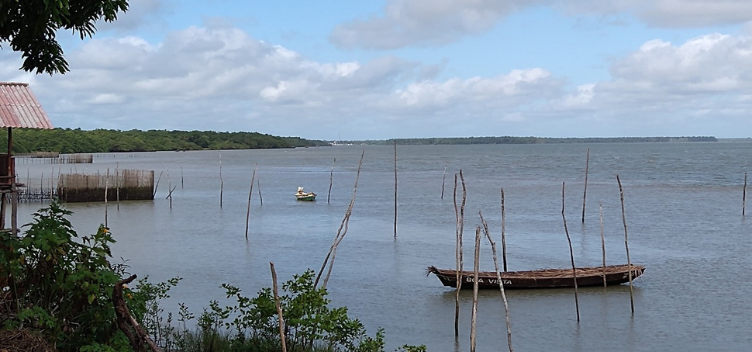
(106,184)
(341,232)
(258,185)
(503,232)
(248,210)
(443,179)
(584,195)
(603,243)
(474,313)
(626,244)
(395,189)
(182,184)
(221,183)
(279,309)
(571,255)
(460,216)
(498,278)
(331,181)
(156,187)
(744,194)
(117,185)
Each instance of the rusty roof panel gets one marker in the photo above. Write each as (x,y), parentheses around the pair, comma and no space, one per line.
(19,107)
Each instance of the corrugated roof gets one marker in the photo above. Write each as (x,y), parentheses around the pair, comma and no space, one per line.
(19,107)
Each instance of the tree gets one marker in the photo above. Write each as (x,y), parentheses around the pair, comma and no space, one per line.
(30,27)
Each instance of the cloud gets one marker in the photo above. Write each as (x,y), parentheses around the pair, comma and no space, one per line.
(667,13)
(423,23)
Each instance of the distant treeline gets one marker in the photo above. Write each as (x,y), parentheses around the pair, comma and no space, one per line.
(531,140)
(65,140)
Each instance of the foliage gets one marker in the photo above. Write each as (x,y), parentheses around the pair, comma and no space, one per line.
(65,140)
(252,325)
(59,285)
(31,25)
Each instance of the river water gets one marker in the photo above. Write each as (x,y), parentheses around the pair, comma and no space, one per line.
(683,207)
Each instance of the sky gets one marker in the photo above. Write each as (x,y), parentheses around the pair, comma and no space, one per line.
(381,69)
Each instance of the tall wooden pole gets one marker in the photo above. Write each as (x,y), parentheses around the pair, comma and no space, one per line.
(106,186)
(474,314)
(500,280)
(603,243)
(331,181)
(626,244)
(248,210)
(395,189)
(443,179)
(221,182)
(460,215)
(279,309)
(744,194)
(571,255)
(584,195)
(503,232)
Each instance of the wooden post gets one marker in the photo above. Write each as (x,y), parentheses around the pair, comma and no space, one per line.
(626,243)
(258,185)
(744,194)
(156,187)
(460,216)
(331,181)
(395,189)
(341,232)
(279,309)
(474,313)
(106,185)
(584,195)
(117,185)
(248,210)
(571,255)
(221,183)
(498,278)
(603,243)
(443,179)
(503,232)
(182,184)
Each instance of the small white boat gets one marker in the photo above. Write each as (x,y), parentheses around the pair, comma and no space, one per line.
(303,195)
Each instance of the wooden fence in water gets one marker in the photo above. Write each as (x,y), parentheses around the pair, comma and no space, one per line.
(53,158)
(120,185)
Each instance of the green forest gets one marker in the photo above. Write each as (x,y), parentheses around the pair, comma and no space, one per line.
(66,140)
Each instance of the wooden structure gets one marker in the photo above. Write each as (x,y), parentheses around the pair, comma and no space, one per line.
(123,185)
(543,278)
(19,108)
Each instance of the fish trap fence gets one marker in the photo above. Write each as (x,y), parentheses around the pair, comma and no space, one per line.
(53,158)
(122,185)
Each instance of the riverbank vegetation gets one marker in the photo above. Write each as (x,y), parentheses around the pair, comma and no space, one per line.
(66,140)
(60,292)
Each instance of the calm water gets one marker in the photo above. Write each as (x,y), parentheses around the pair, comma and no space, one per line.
(683,210)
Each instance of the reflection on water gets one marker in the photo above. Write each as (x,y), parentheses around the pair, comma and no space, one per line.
(682,204)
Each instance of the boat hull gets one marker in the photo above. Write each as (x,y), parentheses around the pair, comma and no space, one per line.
(544,278)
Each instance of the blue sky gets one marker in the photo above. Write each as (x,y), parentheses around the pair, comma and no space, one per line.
(410,68)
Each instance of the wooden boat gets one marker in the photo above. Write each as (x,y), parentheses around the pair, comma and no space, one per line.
(303,195)
(542,278)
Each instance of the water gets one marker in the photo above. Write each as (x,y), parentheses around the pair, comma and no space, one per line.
(683,204)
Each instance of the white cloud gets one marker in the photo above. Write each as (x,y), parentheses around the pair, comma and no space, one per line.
(423,23)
